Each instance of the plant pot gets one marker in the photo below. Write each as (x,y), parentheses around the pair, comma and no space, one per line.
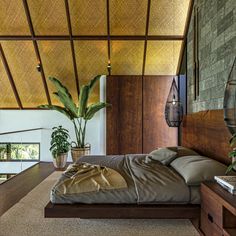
(59,161)
(76,152)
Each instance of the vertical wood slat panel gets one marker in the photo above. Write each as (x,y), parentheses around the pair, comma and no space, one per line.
(112,116)
(124,119)
(130,114)
(156,132)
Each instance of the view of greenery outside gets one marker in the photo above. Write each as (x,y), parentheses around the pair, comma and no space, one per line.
(19,151)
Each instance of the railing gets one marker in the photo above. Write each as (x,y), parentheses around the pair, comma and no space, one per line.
(21,131)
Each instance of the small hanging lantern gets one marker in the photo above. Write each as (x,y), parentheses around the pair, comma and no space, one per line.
(230,100)
(173,108)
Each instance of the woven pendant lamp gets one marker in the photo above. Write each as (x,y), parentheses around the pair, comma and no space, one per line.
(230,100)
(173,108)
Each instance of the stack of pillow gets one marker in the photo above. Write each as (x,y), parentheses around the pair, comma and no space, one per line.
(193,167)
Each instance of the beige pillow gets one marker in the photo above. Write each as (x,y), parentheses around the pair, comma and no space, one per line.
(196,169)
(163,155)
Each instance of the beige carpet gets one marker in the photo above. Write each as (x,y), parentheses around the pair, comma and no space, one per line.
(26,219)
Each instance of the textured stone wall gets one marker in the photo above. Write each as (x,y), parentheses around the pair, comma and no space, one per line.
(217,49)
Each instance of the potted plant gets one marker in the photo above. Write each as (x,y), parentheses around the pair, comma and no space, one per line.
(60,146)
(232,154)
(79,114)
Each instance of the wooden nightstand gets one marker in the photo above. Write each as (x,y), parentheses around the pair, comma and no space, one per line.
(218,210)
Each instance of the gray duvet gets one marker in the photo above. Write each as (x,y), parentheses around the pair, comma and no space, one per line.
(147,184)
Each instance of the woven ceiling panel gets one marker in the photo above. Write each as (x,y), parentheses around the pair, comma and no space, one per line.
(48,17)
(22,62)
(12,18)
(168,17)
(57,62)
(162,57)
(88,17)
(7,97)
(128,17)
(91,57)
(127,57)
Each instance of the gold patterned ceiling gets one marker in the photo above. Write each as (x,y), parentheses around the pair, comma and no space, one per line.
(73,40)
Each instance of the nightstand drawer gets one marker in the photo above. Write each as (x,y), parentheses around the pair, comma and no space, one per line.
(212,208)
(208,227)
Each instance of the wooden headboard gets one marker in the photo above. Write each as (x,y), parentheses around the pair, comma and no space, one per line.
(206,133)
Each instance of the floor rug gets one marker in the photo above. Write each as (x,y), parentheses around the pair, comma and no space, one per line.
(26,218)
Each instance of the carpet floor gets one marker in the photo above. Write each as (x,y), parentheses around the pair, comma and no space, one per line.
(26,218)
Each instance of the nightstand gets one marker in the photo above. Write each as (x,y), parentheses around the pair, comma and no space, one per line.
(218,210)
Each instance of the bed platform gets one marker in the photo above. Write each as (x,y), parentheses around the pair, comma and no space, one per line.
(122,211)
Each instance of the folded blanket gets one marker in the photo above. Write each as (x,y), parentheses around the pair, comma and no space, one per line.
(85,177)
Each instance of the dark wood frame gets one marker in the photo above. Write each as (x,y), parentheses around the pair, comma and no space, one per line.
(122,211)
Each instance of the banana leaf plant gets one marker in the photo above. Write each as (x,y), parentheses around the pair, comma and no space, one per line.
(79,114)
(232,154)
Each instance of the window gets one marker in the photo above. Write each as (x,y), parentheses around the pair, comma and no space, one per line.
(19,151)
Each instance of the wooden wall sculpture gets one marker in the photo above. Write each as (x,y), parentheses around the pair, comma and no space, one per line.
(206,133)
(135,122)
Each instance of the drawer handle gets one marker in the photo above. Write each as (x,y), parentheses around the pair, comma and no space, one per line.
(210,218)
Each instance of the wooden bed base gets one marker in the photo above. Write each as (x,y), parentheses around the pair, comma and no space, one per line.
(122,211)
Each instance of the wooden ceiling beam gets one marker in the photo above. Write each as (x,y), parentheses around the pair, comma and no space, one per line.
(36,48)
(146,36)
(11,80)
(187,23)
(91,37)
(72,47)
(108,38)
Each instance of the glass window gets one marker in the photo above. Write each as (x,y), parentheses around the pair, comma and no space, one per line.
(19,151)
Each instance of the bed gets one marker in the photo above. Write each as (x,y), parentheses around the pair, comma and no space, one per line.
(154,191)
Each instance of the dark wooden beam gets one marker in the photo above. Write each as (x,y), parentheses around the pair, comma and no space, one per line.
(72,46)
(187,23)
(108,39)
(91,37)
(8,71)
(27,12)
(144,60)
(146,36)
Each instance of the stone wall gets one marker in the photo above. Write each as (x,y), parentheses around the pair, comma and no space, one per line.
(217,49)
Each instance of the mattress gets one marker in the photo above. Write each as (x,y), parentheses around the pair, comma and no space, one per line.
(146,184)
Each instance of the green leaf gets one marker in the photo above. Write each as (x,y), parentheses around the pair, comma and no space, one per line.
(83,100)
(59,109)
(60,87)
(93,82)
(232,154)
(233,140)
(230,167)
(64,96)
(94,108)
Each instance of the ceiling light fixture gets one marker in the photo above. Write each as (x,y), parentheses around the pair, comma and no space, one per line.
(38,67)
(109,66)
(173,108)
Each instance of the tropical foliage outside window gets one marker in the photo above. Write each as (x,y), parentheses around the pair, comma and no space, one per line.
(19,151)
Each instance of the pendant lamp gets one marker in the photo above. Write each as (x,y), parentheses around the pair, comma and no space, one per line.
(173,108)
(230,100)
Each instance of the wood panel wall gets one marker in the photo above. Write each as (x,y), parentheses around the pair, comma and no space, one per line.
(206,133)
(124,119)
(156,133)
(136,122)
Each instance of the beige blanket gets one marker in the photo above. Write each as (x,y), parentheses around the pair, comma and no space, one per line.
(85,177)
